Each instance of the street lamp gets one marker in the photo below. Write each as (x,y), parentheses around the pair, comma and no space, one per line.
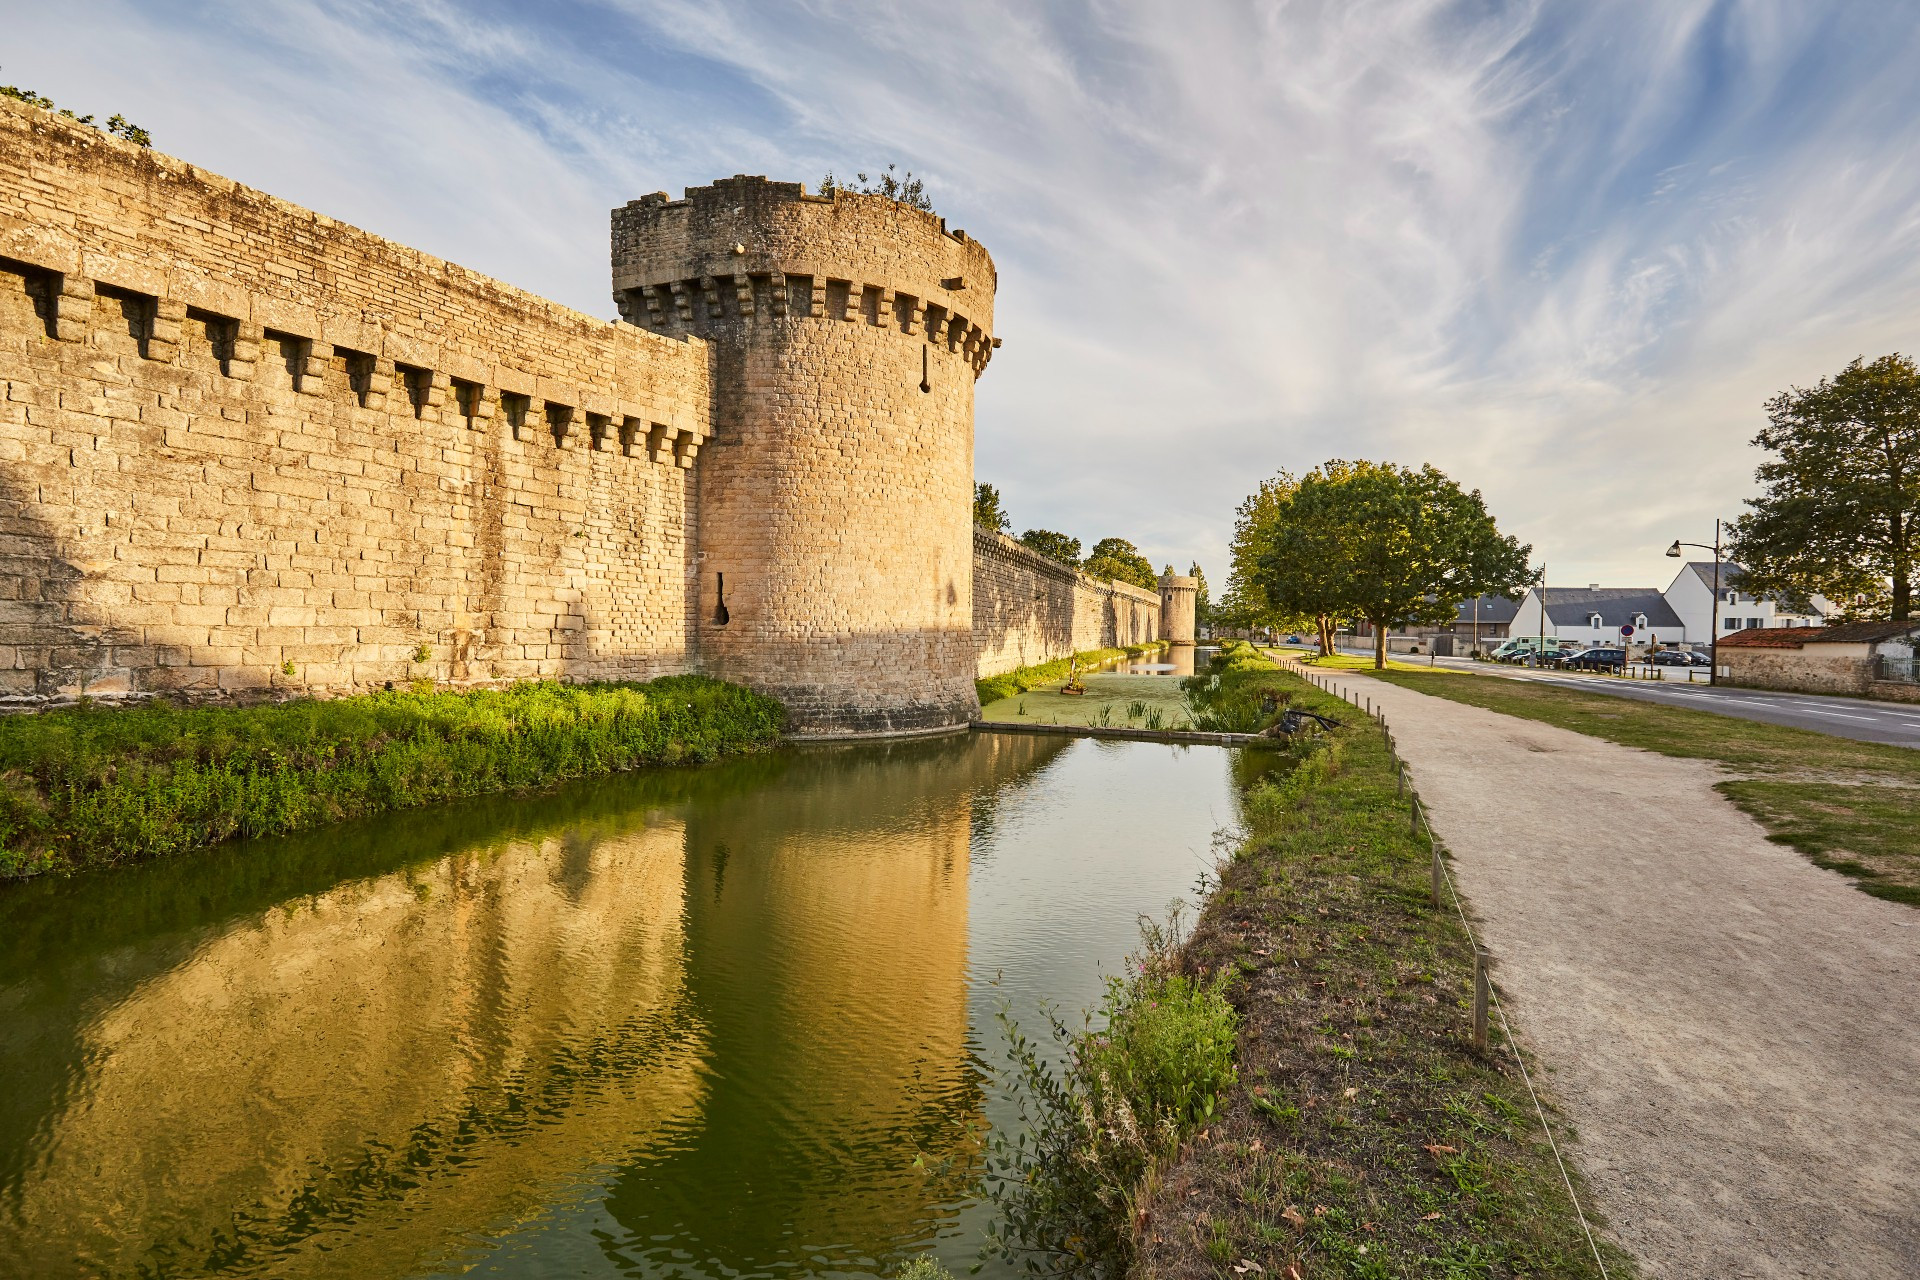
(1713,640)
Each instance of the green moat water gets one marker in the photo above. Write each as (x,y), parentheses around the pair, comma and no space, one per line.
(733,1021)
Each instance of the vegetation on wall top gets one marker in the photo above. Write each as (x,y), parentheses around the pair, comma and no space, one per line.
(910,191)
(117,125)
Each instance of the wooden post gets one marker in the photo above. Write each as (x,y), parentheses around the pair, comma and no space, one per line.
(1413,818)
(1438,873)
(1481,961)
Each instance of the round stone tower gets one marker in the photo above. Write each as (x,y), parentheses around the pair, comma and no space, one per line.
(1178,599)
(833,554)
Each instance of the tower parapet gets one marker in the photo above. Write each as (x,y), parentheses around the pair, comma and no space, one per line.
(836,496)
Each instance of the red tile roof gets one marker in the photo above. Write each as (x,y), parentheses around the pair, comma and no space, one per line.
(1798,637)
(1771,637)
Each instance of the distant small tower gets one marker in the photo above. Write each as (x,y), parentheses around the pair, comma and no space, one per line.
(1179,597)
(833,564)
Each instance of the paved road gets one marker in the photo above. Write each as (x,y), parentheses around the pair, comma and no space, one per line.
(1841,717)
(1729,1027)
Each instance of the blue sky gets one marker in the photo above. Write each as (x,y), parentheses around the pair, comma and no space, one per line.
(1563,251)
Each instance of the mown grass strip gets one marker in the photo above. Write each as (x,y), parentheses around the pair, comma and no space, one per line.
(1852,807)
(1021,679)
(1364,1136)
(87,787)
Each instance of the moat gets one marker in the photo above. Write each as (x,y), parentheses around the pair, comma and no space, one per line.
(732,1021)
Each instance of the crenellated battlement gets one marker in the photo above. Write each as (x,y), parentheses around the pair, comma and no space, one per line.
(747,250)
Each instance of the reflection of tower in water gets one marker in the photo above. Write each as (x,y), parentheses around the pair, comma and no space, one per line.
(740,989)
(826,924)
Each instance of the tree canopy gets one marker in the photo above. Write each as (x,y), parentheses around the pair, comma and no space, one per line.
(987,511)
(1056,545)
(1381,542)
(1118,558)
(1842,498)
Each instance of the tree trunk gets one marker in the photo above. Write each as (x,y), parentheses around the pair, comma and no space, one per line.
(1379,645)
(1325,625)
(1902,595)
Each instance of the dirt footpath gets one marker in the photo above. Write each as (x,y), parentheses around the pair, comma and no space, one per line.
(1734,1032)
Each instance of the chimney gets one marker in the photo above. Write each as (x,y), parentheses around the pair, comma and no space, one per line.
(1593,586)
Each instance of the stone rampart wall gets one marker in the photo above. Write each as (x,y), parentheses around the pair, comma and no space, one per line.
(1795,671)
(1029,608)
(246,447)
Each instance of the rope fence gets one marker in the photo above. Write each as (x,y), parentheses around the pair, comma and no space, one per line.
(1484,994)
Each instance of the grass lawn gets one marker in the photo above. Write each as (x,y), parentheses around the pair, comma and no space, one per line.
(1364,1136)
(1119,700)
(1853,807)
(1357,662)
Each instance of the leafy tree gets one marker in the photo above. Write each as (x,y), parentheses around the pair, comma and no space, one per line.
(987,511)
(1057,545)
(1388,544)
(1841,512)
(1309,603)
(1118,558)
(117,125)
(910,191)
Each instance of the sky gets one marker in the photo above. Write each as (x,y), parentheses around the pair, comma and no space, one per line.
(1562,251)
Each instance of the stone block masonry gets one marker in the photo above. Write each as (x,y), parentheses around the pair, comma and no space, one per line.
(1029,608)
(248,450)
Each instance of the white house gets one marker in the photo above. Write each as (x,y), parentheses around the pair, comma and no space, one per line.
(1691,596)
(1591,615)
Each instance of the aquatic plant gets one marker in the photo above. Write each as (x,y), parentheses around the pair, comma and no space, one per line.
(1006,685)
(1156,718)
(1136,709)
(84,786)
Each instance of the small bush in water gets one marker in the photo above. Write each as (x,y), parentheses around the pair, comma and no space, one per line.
(1128,1094)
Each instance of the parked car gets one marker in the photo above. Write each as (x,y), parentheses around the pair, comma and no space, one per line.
(1672,658)
(1595,659)
(1701,658)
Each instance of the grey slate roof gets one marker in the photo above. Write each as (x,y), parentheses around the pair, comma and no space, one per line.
(1493,611)
(1570,606)
(1729,573)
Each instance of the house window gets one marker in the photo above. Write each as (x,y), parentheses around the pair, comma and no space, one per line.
(1593,620)
(1730,624)
(1733,597)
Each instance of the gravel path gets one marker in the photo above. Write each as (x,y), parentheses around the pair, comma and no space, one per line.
(1734,1032)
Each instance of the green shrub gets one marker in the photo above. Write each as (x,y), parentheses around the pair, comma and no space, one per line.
(924,1267)
(84,787)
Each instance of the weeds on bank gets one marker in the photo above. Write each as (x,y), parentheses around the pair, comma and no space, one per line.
(85,787)
(1852,807)
(1358,1132)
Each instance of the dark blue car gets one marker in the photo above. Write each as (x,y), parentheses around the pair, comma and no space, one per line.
(1601,659)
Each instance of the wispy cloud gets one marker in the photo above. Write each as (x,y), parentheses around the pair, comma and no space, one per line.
(1562,251)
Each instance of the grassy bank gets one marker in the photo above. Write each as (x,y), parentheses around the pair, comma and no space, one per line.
(89,787)
(1021,679)
(1852,807)
(1358,1132)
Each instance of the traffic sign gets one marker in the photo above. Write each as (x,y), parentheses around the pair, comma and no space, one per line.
(1626,629)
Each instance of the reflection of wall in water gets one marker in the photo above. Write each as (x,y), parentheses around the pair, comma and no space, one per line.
(827,932)
(508,1019)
